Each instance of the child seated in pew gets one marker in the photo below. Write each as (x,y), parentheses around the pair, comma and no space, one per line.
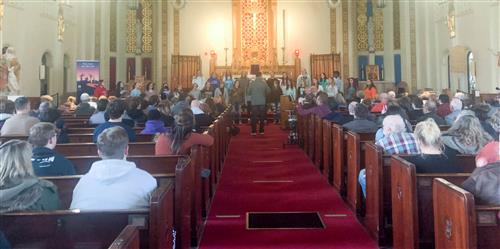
(434,157)
(46,161)
(181,139)
(484,183)
(113,182)
(466,135)
(20,189)
(154,124)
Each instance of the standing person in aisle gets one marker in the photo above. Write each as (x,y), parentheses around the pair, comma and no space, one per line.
(257,93)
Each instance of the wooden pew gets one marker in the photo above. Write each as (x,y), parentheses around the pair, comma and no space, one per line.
(411,196)
(300,130)
(151,164)
(82,138)
(459,222)
(355,162)
(339,168)
(318,142)
(79,130)
(327,150)
(62,229)
(310,136)
(127,239)
(90,149)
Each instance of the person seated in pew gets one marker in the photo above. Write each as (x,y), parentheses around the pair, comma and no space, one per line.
(393,109)
(481,112)
(7,108)
(339,117)
(455,107)
(99,117)
(361,122)
(154,124)
(434,157)
(134,110)
(166,114)
(382,105)
(484,182)
(429,110)
(444,106)
(53,115)
(21,122)
(466,136)
(46,161)
(181,139)
(20,189)
(417,107)
(84,108)
(115,111)
(201,118)
(321,109)
(396,140)
(113,182)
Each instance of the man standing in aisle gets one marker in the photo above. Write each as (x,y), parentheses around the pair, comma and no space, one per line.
(257,92)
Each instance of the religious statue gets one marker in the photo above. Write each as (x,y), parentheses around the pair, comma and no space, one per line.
(9,72)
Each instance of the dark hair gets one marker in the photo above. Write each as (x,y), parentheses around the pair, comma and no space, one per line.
(184,123)
(21,103)
(258,74)
(50,116)
(481,111)
(153,100)
(154,115)
(7,106)
(405,103)
(361,111)
(395,109)
(102,104)
(370,85)
(444,98)
(115,109)
(416,101)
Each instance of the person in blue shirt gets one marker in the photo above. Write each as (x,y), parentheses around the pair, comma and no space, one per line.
(115,111)
(46,161)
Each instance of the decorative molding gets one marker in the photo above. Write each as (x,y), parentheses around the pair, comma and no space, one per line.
(396,25)
(176,32)
(362,25)
(413,44)
(112,26)
(378,28)
(164,40)
(97,19)
(333,30)
(147,26)
(131,31)
(345,39)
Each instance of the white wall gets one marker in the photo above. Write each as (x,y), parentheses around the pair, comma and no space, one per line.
(31,28)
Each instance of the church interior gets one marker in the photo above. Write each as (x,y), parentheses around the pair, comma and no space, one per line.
(250,124)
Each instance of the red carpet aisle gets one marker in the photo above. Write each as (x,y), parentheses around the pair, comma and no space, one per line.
(260,176)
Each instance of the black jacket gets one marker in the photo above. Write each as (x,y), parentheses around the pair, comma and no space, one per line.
(47,162)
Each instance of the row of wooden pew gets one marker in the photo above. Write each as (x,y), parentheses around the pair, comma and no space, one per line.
(398,209)
(176,211)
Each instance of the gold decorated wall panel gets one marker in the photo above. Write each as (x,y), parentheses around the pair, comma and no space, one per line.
(131,29)
(112,27)
(361,25)
(345,39)
(413,44)
(396,24)
(378,28)
(164,39)
(176,31)
(147,26)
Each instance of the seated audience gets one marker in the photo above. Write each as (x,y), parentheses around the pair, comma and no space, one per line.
(115,111)
(456,108)
(134,110)
(52,115)
(361,122)
(417,107)
(113,182)
(166,115)
(84,108)
(393,109)
(99,117)
(484,183)
(20,189)
(182,137)
(444,106)
(152,103)
(21,122)
(382,105)
(7,108)
(154,124)
(396,140)
(481,112)
(466,136)
(93,102)
(201,118)
(46,161)
(321,108)
(219,106)
(434,157)
(429,110)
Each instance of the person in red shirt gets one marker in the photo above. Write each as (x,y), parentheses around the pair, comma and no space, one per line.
(444,106)
(370,90)
(100,90)
(181,139)
(380,106)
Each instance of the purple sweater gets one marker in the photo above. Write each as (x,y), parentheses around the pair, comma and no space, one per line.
(320,110)
(153,127)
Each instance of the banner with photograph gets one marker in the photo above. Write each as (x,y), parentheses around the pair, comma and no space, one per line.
(87,76)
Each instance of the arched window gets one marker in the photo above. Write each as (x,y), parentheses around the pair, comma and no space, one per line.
(45,73)
(471,72)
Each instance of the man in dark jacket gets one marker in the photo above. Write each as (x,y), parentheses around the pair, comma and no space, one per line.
(429,110)
(361,122)
(46,161)
(257,91)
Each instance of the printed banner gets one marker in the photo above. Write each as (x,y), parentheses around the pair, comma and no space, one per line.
(87,76)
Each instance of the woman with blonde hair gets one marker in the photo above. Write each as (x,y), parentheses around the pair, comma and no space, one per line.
(20,189)
(71,103)
(434,156)
(466,135)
